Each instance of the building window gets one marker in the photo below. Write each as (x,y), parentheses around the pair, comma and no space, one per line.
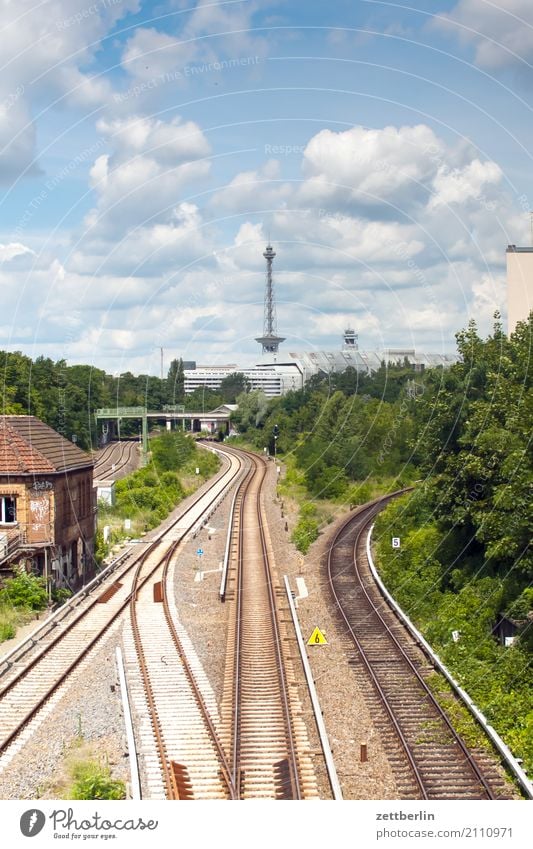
(8,510)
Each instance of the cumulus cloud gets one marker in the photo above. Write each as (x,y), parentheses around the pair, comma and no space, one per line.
(459,185)
(502,33)
(371,166)
(46,56)
(144,176)
(259,189)
(208,35)
(12,250)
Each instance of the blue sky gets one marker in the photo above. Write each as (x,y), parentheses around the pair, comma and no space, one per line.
(147,150)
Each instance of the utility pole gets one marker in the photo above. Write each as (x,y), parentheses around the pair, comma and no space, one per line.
(161,349)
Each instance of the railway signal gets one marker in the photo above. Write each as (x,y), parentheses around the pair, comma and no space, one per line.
(275,434)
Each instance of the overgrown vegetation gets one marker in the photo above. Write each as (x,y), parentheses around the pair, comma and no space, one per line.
(21,597)
(455,597)
(306,530)
(93,780)
(84,773)
(464,434)
(148,495)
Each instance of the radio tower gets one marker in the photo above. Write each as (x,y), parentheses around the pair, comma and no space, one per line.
(270,339)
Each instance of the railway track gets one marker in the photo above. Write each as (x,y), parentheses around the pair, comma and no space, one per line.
(262,726)
(115,460)
(32,682)
(178,741)
(428,757)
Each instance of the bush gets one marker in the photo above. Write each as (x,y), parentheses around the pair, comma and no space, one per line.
(172,450)
(305,533)
(93,781)
(24,591)
(60,594)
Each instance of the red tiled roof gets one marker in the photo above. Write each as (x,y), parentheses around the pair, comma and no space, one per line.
(29,446)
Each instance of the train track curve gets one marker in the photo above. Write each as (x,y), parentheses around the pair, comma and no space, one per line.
(429,758)
(115,460)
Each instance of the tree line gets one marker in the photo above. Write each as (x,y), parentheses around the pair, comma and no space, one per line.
(67,396)
(464,433)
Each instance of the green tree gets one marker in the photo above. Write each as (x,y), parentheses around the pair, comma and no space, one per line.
(233,385)
(175,383)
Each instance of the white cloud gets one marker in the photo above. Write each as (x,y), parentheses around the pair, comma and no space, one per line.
(502,32)
(370,166)
(46,53)
(207,35)
(143,179)
(148,251)
(262,189)
(459,185)
(12,250)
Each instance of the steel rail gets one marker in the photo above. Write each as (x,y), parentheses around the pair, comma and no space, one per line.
(4,744)
(293,761)
(258,466)
(236,745)
(72,603)
(367,515)
(224,765)
(418,778)
(507,756)
(29,715)
(104,466)
(152,707)
(478,775)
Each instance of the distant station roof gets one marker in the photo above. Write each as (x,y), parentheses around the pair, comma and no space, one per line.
(29,446)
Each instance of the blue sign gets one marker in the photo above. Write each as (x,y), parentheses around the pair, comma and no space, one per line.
(199,551)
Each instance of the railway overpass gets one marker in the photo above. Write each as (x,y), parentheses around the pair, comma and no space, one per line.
(210,422)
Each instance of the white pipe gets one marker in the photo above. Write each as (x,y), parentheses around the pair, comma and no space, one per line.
(128,722)
(323,734)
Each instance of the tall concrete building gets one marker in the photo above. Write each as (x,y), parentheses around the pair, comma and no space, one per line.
(519,285)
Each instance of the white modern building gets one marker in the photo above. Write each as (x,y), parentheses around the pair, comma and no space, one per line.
(519,285)
(280,373)
(272,379)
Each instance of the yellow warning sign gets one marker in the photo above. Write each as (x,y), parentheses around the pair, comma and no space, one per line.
(317,638)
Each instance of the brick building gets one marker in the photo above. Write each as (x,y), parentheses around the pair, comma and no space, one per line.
(47,502)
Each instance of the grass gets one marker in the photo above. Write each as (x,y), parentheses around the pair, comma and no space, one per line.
(84,774)
(12,618)
(458,714)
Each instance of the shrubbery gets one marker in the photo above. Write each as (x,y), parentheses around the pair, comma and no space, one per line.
(306,530)
(24,591)
(20,597)
(91,780)
(148,495)
(440,598)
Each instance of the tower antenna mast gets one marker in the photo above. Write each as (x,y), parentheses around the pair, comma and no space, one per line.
(270,340)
